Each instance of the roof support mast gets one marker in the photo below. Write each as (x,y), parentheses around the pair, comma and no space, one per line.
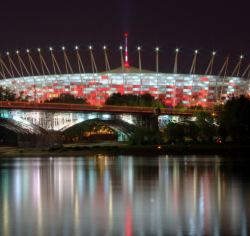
(32,63)
(3,65)
(122,61)
(43,63)
(67,64)
(236,70)
(246,72)
(176,60)
(223,69)
(157,59)
(193,66)
(139,58)
(209,69)
(22,64)
(12,65)
(92,59)
(107,65)
(79,61)
(54,62)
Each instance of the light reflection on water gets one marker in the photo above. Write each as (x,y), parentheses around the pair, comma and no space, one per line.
(122,195)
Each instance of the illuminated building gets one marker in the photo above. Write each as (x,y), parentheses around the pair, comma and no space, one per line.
(39,84)
(173,89)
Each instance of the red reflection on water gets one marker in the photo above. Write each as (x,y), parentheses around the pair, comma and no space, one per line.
(128,221)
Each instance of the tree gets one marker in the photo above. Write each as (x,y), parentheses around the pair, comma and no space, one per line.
(234,119)
(7,95)
(174,132)
(23,98)
(145,136)
(191,130)
(205,123)
(67,98)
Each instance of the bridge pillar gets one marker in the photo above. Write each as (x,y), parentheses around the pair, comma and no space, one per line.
(149,121)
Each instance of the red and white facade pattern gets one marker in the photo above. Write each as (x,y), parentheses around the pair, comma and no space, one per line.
(173,89)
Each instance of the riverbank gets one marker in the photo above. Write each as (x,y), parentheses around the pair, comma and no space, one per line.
(95,149)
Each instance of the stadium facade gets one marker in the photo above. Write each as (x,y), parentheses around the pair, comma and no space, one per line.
(172,89)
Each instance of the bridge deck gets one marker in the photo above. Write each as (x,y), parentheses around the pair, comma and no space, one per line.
(92,108)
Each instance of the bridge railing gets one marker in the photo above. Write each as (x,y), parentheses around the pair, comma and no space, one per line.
(97,108)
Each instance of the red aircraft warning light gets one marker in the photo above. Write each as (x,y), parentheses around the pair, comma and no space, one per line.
(126,63)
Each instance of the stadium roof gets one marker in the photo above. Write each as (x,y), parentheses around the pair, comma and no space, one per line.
(130,70)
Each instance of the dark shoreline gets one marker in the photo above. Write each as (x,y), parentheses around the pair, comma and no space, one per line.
(172,149)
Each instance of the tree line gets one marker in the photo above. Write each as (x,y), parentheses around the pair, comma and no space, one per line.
(144,100)
(230,123)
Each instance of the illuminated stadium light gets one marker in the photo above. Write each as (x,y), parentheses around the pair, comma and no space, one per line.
(90,47)
(51,49)
(104,47)
(177,50)
(213,53)
(76,47)
(63,48)
(120,47)
(196,51)
(157,49)
(139,48)
(241,56)
(39,49)
(7,53)
(27,50)
(17,52)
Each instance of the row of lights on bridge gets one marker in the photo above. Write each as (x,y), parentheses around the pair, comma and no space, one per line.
(139,48)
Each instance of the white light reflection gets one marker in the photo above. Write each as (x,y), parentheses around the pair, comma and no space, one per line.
(110,204)
(201,208)
(6,206)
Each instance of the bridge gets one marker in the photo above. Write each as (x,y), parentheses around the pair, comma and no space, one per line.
(25,116)
(60,116)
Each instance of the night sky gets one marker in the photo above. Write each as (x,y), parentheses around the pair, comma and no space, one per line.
(205,25)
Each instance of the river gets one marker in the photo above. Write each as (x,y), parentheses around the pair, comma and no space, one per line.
(124,195)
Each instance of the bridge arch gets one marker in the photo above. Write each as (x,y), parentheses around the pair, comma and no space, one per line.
(25,134)
(122,128)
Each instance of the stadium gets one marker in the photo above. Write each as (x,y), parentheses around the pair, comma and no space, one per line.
(34,79)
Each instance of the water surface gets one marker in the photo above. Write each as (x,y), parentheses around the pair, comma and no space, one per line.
(124,195)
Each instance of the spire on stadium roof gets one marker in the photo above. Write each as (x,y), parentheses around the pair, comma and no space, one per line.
(126,63)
